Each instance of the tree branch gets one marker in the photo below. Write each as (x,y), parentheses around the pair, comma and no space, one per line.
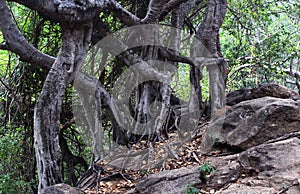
(295,74)
(170,6)
(170,55)
(128,57)
(125,16)
(65,10)
(238,18)
(17,43)
(154,10)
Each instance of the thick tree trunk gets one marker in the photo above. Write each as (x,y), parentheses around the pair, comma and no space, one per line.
(208,34)
(48,108)
(46,126)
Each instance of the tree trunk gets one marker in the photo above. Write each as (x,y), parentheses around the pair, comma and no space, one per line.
(48,108)
(208,34)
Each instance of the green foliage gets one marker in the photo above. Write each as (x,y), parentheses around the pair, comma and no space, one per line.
(19,89)
(181,84)
(9,184)
(261,40)
(205,170)
(11,166)
(190,189)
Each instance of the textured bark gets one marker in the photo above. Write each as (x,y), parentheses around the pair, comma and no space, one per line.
(178,20)
(208,34)
(48,108)
(46,127)
(79,11)
(16,42)
(150,91)
(88,86)
(125,16)
(154,10)
(173,4)
(70,160)
(47,111)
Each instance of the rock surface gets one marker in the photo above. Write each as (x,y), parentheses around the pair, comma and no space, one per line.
(61,189)
(275,167)
(271,90)
(266,132)
(269,168)
(170,181)
(253,122)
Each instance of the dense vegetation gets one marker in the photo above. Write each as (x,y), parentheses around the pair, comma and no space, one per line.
(259,38)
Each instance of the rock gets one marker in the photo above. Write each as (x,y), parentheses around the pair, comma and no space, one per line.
(272,167)
(245,189)
(278,162)
(271,90)
(228,170)
(238,96)
(275,168)
(61,189)
(170,181)
(253,122)
(266,131)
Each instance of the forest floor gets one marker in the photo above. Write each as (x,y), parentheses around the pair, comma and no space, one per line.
(114,180)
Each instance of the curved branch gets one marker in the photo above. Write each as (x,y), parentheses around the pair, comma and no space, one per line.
(170,6)
(65,10)
(17,43)
(154,10)
(125,16)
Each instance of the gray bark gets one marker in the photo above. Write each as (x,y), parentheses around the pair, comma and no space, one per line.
(66,10)
(208,34)
(154,10)
(74,47)
(16,42)
(48,108)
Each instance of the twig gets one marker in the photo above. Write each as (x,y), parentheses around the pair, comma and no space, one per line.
(196,157)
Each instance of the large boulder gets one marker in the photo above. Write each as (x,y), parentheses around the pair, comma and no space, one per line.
(267,168)
(272,167)
(253,122)
(263,90)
